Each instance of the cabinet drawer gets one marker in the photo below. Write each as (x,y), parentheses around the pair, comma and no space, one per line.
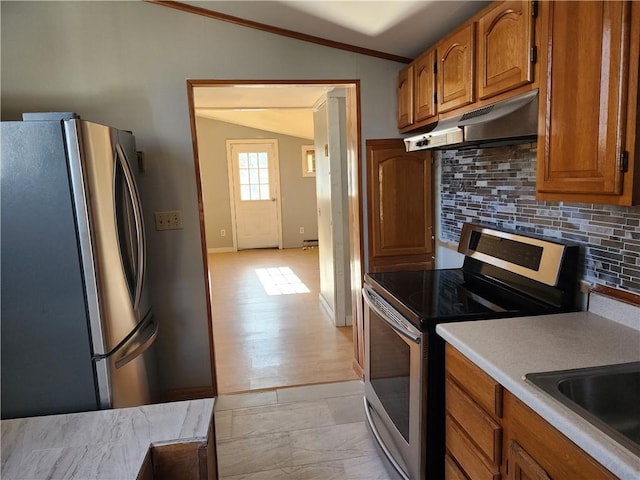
(478,425)
(467,455)
(483,389)
(452,471)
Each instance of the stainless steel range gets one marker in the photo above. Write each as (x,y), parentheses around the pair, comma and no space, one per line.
(505,274)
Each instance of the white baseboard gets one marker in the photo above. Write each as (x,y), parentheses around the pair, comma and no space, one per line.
(348,320)
(327,308)
(331,313)
(221,250)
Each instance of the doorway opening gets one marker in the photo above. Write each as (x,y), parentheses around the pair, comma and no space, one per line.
(230,107)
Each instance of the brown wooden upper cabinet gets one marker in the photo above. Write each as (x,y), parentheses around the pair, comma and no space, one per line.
(400,207)
(425,87)
(487,57)
(456,59)
(404,92)
(587,149)
(505,48)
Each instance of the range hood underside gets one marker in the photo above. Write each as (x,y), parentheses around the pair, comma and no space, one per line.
(508,122)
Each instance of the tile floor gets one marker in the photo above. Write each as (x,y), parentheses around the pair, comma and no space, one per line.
(298,433)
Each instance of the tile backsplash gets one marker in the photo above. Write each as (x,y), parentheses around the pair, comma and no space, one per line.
(496,186)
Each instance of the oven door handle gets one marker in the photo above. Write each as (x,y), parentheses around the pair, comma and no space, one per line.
(387,317)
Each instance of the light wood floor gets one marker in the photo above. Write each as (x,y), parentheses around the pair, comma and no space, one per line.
(267,341)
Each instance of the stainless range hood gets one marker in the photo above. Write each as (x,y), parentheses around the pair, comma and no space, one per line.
(503,123)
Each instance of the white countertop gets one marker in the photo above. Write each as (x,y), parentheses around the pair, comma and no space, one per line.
(107,444)
(507,349)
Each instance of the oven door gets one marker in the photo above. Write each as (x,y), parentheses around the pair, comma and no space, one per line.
(394,385)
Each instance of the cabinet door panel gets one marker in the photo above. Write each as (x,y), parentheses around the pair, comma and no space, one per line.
(583,107)
(505,36)
(405,97)
(522,466)
(400,206)
(425,86)
(456,69)
(554,454)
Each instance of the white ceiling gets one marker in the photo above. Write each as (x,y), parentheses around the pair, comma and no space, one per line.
(284,109)
(401,27)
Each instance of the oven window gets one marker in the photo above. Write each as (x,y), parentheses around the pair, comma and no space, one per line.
(389,372)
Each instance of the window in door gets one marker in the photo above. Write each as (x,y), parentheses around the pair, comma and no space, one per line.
(253,174)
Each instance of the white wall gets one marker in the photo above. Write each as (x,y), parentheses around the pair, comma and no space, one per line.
(337,126)
(330,136)
(323,194)
(125,64)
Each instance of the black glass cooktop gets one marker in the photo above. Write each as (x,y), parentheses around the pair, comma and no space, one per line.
(437,296)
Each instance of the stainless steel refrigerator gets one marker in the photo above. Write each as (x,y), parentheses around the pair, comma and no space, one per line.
(76,322)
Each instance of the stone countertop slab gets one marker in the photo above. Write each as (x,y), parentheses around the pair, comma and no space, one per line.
(106,444)
(507,349)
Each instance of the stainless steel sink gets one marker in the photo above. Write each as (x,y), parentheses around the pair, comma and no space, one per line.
(607,396)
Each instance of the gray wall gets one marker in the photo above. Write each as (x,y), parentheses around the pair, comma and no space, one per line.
(497,186)
(125,64)
(298,192)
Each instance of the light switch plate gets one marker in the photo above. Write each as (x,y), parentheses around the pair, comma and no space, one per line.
(171,220)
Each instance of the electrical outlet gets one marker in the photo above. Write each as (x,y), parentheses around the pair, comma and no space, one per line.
(301,230)
(223,233)
(171,220)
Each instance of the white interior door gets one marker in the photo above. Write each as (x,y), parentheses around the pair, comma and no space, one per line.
(255,186)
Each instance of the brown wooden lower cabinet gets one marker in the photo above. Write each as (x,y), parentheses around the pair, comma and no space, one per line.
(511,442)
(184,461)
(146,471)
(473,423)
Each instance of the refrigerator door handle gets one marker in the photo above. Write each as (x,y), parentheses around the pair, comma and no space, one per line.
(137,214)
(147,335)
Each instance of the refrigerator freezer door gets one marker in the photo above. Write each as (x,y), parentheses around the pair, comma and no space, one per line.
(46,356)
(129,368)
(144,338)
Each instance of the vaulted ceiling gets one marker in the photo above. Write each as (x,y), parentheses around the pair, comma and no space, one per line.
(283,109)
(397,27)
(398,30)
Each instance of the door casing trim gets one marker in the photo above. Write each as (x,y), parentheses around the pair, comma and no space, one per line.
(356,230)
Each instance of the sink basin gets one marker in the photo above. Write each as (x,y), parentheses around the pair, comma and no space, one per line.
(606,396)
